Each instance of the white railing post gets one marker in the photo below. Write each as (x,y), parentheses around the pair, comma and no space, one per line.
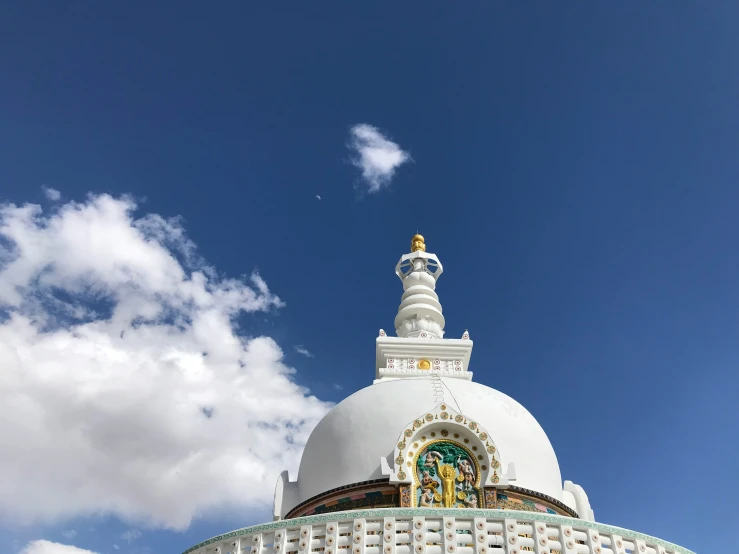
(541,541)
(593,541)
(419,535)
(510,534)
(280,542)
(304,539)
(480,532)
(389,538)
(332,537)
(358,536)
(567,539)
(256,543)
(450,535)
(617,544)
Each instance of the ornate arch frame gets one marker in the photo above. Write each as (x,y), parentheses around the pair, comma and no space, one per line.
(445,424)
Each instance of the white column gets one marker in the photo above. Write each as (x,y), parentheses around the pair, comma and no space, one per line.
(418,532)
(450,535)
(332,537)
(358,536)
(568,540)
(510,534)
(541,540)
(306,536)
(256,544)
(389,538)
(617,544)
(280,541)
(480,532)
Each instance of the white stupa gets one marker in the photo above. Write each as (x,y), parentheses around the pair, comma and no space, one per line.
(426,461)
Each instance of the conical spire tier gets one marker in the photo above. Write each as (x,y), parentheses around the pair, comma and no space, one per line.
(419,313)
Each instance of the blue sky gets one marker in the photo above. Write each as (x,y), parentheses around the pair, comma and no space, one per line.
(574,167)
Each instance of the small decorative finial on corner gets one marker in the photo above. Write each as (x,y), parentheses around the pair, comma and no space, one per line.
(417,243)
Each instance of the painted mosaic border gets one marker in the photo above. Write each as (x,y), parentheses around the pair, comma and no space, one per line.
(541,496)
(357,487)
(369,500)
(442,512)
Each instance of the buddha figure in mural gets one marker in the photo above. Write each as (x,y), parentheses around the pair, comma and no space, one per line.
(448,475)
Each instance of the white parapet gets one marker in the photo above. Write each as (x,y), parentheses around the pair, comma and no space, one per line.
(435,531)
(397,357)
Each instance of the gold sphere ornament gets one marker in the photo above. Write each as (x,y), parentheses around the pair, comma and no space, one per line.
(417,243)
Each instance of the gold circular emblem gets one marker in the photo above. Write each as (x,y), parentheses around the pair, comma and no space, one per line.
(424,364)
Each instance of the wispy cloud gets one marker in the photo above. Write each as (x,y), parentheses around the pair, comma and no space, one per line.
(51,194)
(377,156)
(48,547)
(300,349)
(337,386)
(69,534)
(131,535)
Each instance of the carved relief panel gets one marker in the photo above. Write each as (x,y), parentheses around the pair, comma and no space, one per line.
(447,476)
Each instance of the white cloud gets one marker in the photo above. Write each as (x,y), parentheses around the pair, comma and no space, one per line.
(300,349)
(126,388)
(47,547)
(318,196)
(116,547)
(377,156)
(51,194)
(337,386)
(69,534)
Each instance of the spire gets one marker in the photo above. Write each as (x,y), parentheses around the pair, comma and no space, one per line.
(420,349)
(419,313)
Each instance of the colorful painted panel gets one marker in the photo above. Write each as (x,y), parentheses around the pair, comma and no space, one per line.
(405,496)
(447,476)
(357,499)
(511,502)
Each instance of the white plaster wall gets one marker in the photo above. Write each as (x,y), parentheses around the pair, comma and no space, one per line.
(569,500)
(348,443)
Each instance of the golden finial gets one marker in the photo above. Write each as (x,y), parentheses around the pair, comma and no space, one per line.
(417,243)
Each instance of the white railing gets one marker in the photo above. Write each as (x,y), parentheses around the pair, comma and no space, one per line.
(435,531)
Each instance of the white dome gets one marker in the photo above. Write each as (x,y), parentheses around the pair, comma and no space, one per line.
(347,445)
